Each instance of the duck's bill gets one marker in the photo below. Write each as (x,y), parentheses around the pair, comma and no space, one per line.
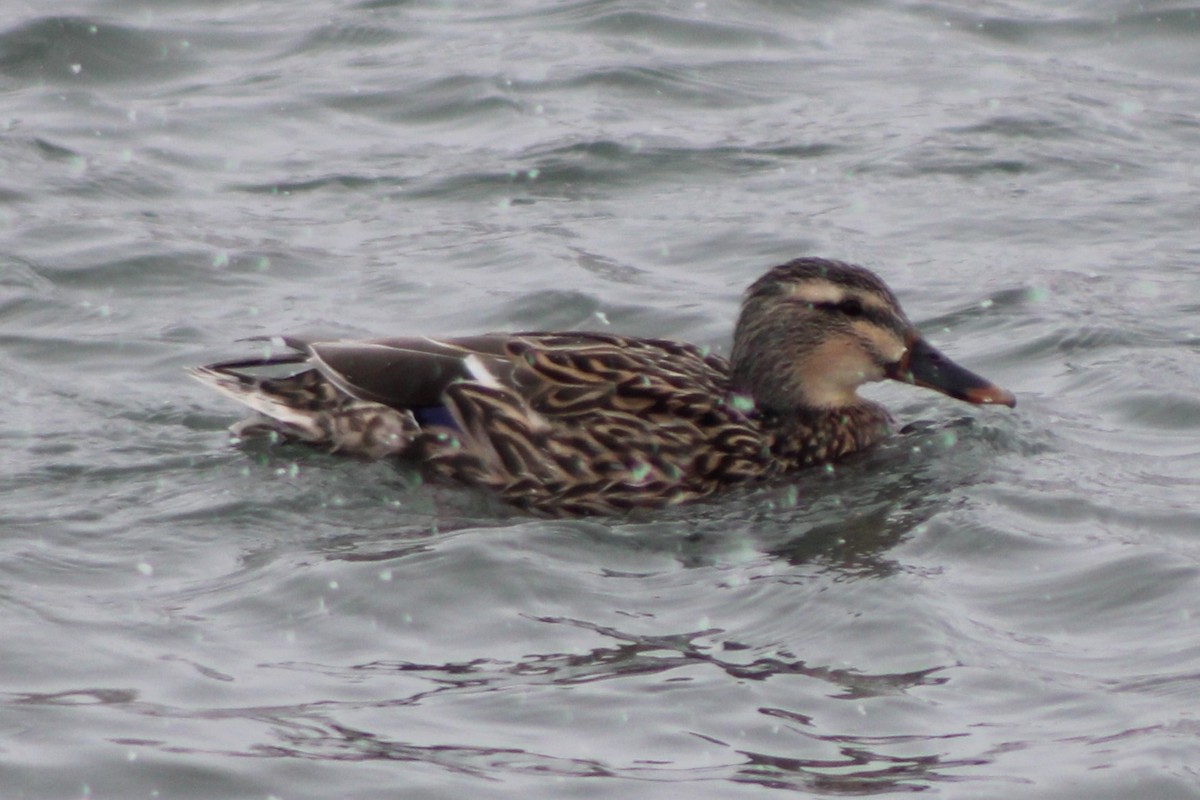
(924,365)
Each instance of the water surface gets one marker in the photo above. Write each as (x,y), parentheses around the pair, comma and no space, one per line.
(1000,603)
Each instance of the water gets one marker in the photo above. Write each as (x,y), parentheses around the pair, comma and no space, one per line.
(1000,603)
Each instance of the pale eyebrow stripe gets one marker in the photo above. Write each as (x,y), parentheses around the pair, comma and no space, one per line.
(817,291)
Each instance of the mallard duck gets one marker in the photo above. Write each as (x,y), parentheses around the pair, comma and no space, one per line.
(596,423)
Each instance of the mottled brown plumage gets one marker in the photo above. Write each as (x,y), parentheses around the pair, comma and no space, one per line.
(592,423)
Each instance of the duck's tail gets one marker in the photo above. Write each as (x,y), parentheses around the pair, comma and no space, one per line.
(304,406)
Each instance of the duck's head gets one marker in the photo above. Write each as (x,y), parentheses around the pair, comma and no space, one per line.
(812,331)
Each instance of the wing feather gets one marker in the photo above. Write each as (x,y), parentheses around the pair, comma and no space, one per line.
(557,422)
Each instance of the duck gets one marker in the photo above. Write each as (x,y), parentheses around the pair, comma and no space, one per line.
(572,423)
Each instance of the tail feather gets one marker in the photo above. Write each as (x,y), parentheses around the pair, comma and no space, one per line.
(306,407)
(253,393)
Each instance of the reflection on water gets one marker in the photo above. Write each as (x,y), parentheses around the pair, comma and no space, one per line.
(315,730)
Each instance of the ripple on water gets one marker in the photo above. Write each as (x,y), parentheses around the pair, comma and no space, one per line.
(81,51)
(992,603)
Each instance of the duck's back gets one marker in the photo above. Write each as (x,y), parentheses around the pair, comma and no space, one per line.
(591,423)
(557,422)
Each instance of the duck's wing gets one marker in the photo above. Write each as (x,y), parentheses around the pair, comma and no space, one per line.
(409,372)
(553,371)
(562,422)
(363,397)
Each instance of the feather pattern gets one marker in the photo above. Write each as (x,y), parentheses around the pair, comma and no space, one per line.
(595,423)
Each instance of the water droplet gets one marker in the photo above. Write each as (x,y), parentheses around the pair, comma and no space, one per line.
(1037,294)
(742,403)
(639,471)
(1147,289)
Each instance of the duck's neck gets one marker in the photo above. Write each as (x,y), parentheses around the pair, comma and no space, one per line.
(817,436)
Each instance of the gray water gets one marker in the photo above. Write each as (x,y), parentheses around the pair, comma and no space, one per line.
(1001,604)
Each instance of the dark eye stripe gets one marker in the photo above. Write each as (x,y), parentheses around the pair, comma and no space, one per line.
(875,316)
(851,307)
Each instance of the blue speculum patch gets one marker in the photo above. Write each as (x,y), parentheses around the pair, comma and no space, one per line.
(434,415)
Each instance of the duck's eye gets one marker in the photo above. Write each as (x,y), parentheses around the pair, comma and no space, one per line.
(851,307)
